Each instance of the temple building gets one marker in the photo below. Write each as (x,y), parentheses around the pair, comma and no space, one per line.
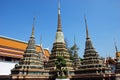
(59,47)
(92,64)
(12,50)
(31,65)
(76,58)
(110,62)
(117,66)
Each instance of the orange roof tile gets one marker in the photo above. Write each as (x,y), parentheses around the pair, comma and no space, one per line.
(20,45)
(47,52)
(15,44)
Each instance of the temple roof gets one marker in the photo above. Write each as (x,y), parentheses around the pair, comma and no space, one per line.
(17,46)
(47,53)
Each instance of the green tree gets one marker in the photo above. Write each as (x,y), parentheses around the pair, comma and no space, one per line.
(72,49)
(60,62)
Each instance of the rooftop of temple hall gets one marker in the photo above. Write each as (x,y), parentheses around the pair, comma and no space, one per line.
(16,47)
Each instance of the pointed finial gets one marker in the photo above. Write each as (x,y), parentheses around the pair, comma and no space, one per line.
(116,50)
(116,54)
(41,40)
(34,20)
(75,45)
(87,34)
(74,40)
(59,20)
(58,6)
(115,46)
(32,35)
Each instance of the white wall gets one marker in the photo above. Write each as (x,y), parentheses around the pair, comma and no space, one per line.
(5,67)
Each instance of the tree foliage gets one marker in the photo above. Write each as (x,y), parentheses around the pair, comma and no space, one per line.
(60,62)
(72,49)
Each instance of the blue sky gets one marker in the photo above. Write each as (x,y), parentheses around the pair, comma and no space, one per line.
(103,18)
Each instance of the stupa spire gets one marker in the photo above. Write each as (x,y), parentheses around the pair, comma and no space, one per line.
(74,40)
(89,44)
(41,40)
(58,6)
(31,42)
(59,33)
(75,45)
(87,33)
(59,28)
(32,34)
(116,49)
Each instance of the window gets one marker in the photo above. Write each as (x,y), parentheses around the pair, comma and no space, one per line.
(8,59)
